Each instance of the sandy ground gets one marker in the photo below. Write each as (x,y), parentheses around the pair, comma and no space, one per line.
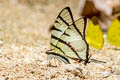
(24,38)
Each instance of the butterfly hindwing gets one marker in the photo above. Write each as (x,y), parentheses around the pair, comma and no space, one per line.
(81,25)
(73,44)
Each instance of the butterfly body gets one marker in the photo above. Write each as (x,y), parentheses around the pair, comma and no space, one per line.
(68,38)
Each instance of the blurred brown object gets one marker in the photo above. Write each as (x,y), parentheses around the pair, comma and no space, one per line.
(104,10)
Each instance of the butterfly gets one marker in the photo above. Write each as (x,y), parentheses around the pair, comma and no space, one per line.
(94,35)
(68,38)
(114,32)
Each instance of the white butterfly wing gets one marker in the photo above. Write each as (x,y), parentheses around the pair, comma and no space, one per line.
(67,37)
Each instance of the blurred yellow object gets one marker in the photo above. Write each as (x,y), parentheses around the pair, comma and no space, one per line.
(114,32)
(119,14)
(94,35)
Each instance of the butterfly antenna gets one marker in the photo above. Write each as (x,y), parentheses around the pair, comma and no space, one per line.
(93,60)
(96,61)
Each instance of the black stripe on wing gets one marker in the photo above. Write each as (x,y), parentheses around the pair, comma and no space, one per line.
(66,34)
(57,48)
(84,33)
(54,28)
(66,16)
(64,21)
(64,42)
(85,25)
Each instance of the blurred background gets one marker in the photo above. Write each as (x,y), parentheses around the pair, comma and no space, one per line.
(28,21)
(31,19)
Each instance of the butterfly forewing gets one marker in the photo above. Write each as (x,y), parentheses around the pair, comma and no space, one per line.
(62,22)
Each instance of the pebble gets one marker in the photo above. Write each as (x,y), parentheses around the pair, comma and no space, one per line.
(106,74)
(1,43)
(71,67)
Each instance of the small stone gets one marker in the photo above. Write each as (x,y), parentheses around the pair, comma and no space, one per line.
(116,69)
(1,43)
(71,67)
(65,79)
(106,74)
